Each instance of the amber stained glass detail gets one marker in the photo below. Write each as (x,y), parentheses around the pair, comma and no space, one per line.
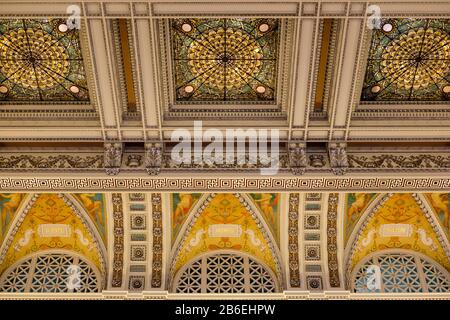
(225,59)
(409,60)
(41,61)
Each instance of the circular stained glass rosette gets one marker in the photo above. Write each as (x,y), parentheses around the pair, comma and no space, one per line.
(409,62)
(38,62)
(225,59)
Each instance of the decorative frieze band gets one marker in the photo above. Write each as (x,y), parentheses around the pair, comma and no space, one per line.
(154,161)
(257,184)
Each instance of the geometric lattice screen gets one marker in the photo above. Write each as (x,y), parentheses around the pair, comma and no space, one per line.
(402,273)
(51,272)
(225,273)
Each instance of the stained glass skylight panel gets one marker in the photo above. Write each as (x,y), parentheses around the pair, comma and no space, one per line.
(409,60)
(41,61)
(225,59)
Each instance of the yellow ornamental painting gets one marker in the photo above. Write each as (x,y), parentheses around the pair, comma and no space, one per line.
(400,224)
(441,206)
(51,224)
(94,204)
(181,203)
(356,204)
(225,224)
(9,204)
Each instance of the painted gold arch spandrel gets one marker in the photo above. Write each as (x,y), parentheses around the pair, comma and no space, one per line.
(269,206)
(225,209)
(440,204)
(355,206)
(9,206)
(95,206)
(50,223)
(402,216)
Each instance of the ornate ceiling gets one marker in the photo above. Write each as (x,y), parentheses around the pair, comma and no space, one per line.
(89,116)
(225,59)
(409,60)
(41,61)
(187,243)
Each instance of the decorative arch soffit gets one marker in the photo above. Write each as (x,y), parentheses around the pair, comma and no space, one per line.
(373,209)
(196,212)
(76,208)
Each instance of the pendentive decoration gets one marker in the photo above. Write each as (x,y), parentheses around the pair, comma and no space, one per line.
(118,240)
(338,157)
(294,273)
(113,158)
(157,240)
(297,158)
(333,267)
(153,158)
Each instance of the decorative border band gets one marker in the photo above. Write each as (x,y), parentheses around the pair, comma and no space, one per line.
(287,184)
(118,240)
(333,266)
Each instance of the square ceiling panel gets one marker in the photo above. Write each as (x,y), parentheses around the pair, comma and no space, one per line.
(409,60)
(227,60)
(41,62)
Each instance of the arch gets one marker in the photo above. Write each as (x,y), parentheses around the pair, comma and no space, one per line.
(420,273)
(225,271)
(373,209)
(68,272)
(86,228)
(196,212)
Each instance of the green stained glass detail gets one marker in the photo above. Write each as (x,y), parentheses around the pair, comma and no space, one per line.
(225,59)
(409,60)
(41,61)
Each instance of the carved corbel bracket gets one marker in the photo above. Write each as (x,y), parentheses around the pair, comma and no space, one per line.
(337,152)
(153,158)
(297,157)
(113,157)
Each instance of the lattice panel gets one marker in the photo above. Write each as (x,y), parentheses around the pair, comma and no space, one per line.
(225,273)
(436,281)
(402,273)
(51,273)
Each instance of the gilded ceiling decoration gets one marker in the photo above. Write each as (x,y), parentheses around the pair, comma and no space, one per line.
(94,204)
(225,59)
(440,202)
(409,60)
(269,206)
(225,223)
(9,205)
(181,206)
(41,61)
(400,223)
(355,206)
(51,223)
